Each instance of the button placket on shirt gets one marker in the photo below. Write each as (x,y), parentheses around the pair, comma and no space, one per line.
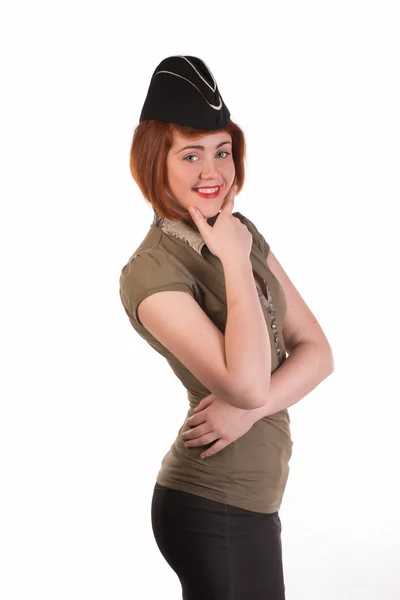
(268,304)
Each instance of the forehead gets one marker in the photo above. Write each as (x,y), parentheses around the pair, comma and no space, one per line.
(210,139)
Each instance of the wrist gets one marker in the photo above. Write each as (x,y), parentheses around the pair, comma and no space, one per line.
(233,262)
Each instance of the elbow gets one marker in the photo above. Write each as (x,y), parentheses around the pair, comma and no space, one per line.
(259,396)
(325,351)
(257,401)
(249,396)
(253,398)
(331,360)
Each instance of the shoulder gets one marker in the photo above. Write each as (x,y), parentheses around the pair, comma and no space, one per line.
(150,264)
(153,270)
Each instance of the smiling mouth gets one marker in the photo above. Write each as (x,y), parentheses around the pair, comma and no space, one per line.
(214,188)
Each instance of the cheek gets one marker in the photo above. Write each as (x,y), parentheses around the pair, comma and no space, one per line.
(229,175)
(175,177)
(229,167)
(180,173)
(180,182)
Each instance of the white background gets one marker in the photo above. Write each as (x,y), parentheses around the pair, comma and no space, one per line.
(88,409)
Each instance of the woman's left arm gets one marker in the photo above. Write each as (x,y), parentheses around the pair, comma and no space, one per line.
(310,358)
(309,362)
(307,365)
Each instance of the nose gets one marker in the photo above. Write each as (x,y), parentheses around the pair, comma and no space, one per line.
(210,169)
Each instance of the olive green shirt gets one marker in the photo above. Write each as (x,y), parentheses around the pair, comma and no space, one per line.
(252,471)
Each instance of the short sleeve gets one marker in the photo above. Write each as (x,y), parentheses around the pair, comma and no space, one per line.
(258,238)
(150,272)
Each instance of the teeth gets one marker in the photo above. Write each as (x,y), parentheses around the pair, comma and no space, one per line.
(207,190)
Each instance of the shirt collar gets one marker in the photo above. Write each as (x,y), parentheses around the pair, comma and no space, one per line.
(182,231)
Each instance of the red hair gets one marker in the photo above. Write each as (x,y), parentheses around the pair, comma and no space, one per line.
(151,143)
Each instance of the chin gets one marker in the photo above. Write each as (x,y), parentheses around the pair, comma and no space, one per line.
(204,208)
(211,212)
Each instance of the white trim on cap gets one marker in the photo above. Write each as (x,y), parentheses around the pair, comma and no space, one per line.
(177,75)
(200,75)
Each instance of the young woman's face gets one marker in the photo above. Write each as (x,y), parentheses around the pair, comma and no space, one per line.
(206,167)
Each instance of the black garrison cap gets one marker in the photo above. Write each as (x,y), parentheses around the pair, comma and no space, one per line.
(183,90)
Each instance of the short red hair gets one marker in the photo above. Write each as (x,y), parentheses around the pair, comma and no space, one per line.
(151,143)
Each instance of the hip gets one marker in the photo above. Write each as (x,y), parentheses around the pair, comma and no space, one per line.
(239,550)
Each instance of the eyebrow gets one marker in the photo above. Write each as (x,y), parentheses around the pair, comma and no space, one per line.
(202,147)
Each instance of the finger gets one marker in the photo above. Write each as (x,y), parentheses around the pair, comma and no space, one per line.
(215,448)
(196,419)
(203,440)
(203,403)
(199,219)
(193,434)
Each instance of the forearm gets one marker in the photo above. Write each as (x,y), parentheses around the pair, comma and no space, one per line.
(247,343)
(305,367)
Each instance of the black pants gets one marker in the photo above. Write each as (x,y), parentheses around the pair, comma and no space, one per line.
(218,551)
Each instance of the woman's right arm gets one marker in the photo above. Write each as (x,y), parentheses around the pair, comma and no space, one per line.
(247,343)
(232,367)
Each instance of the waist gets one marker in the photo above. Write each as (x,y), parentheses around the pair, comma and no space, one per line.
(263,449)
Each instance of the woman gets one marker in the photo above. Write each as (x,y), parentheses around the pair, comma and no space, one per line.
(205,291)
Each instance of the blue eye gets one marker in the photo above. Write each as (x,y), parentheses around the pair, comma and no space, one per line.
(221,151)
